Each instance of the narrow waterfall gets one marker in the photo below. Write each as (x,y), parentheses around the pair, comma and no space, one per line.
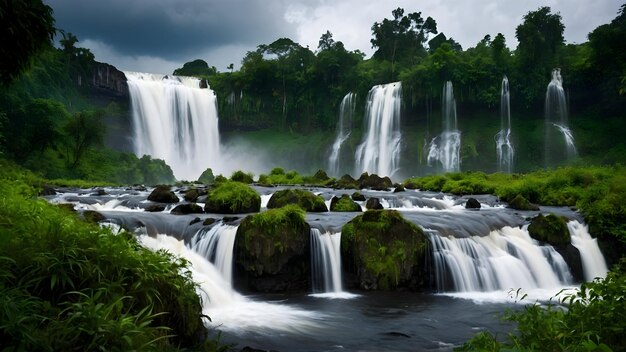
(174,120)
(504,147)
(379,151)
(446,147)
(326,261)
(556,125)
(505,259)
(344,128)
(592,259)
(216,245)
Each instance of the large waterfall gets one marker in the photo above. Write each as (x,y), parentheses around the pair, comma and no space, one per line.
(379,152)
(504,147)
(344,128)
(446,147)
(174,120)
(559,141)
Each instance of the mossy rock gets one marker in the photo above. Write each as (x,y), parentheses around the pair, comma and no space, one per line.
(272,250)
(321,176)
(240,176)
(163,194)
(384,251)
(346,181)
(344,204)
(373,203)
(188,208)
(374,182)
(230,197)
(549,229)
(358,196)
(207,177)
(399,188)
(305,199)
(521,203)
(93,216)
(191,195)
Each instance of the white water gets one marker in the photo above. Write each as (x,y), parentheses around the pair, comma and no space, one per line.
(227,309)
(326,265)
(504,147)
(216,245)
(176,121)
(593,260)
(379,152)
(557,116)
(446,148)
(569,139)
(344,128)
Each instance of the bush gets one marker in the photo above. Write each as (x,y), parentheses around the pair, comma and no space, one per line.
(231,197)
(240,176)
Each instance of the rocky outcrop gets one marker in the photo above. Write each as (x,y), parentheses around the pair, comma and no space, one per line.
(374,182)
(549,229)
(344,204)
(374,204)
(383,251)
(163,194)
(472,203)
(521,203)
(108,77)
(187,208)
(272,251)
(230,197)
(346,181)
(305,199)
(357,196)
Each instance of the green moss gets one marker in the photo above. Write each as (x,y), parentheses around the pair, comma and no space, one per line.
(305,199)
(521,203)
(551,229)
(230,197)
(207,177)
(240,176)
(344,204)
(384,250)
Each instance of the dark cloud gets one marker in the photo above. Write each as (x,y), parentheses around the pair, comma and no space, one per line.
(170,29)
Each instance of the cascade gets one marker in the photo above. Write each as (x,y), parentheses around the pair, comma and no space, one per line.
(174,120)
(446,147)
(344,128)
(504,147)
(216,245)
(592,259)
(556,124)
(379,151)
(326,261)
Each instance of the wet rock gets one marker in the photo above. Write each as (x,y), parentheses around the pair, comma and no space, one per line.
(521,203)
(549,229)
(187,208)
(472,203)
(99,192)
(344,204)
(195,221)
(321,176)
(357,196)
(155,208)
(346,181)
(305,199)
(399,188)
(93,216)
(208,221)
(193,194)
(374,204)
(163,194)
(374,182)
(48,191)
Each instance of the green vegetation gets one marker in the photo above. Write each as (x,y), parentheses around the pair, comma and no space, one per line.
(278,176)
(240,176)
(69,285)
(231,197)
(383,250)
(551,229)
(207,177)
(344,203)
(594,319)
(304,199)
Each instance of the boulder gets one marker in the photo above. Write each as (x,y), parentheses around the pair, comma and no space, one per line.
(383,251)
(154,208)
(472,203)
(48,191)
(374,182)
(346,181)
(344,204)
(374,204)
(191,195)
(549,229)
(521,203)
(399,188)
(305,199)
(163,194)
(272,251)
(231,197)
(187,208)
(357,196)
(321,176)
(93,216)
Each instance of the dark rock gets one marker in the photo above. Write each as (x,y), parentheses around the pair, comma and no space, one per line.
(305,199)
(571,255)
(374,204)
(195,221)
(99,192)
(208,221)
(163,194)
(472,203)
(346,181)
(93,216)
(231,197)
(187,208)
(357,196)
(410,185)
(344,204)
(272,251)
(47,191)
(67,206)
(155,208)
(399,188)
(227,219)
(550,229)
(191,195)
(384,251)
(521,203)
(321,175)
(374,182)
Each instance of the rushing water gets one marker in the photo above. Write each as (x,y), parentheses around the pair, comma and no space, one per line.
(446,148)
(344,129)
(559,141)
(379,152)
(504,147)
(176,121)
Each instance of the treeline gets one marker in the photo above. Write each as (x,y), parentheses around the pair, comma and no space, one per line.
(49,121)
(285,85)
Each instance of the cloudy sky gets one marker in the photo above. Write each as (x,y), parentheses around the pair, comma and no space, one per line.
(158,36)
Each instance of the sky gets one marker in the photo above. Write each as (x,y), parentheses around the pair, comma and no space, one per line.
(158,36)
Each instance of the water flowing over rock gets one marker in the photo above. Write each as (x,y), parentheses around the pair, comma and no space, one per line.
(559,140)
(174,120)
(326,261)
(344,128)
(379,151)
(504,147)
(446,148)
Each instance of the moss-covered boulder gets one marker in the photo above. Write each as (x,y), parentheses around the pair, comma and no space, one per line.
(230,197)
(305,199)
(373,203)
(240,176)
(344,204)
(163,194)
(207,177)
(358,196)
(187,208)
(399,188)
(375,182)
(521,203)
(550,229)
(346,181)
(272,251)
(321,176)
(383,251)
(93,216)
(192,195)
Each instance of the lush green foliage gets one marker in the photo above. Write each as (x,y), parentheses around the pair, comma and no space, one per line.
(230,197)
(344,203)
(67,285)
(240,176)
(196,68)
(304,199)
(590,319)
(278,176)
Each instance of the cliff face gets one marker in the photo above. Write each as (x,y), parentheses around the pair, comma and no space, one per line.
(107,77)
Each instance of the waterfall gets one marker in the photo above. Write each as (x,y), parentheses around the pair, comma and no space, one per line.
(504,147)
(592,259)
(174,120)
(379,151)
(446,147)
(216,245)
(556,126)
(505,259)
(326,261)
(344,128)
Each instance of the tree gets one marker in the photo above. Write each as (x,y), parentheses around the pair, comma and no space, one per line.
(326,42)
(84,129)
(26,28)
(196,68)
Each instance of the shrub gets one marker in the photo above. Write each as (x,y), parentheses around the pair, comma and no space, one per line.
(231,197)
